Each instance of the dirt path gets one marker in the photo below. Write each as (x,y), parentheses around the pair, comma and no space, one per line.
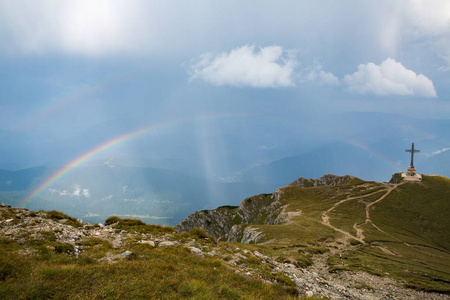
(389,189)
(359,231)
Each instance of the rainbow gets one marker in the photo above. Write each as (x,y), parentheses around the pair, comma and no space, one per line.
(84,157)
(63,101)
(379,155)
(79,160)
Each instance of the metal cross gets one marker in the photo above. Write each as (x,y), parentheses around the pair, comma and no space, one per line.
(412,150)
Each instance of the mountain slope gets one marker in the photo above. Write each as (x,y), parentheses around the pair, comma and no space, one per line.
(395,230)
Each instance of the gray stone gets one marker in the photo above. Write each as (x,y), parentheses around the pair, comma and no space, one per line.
(197,251)
(166,244)
(126,253)
(150,243)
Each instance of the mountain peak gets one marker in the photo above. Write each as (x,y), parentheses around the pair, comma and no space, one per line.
(325,180)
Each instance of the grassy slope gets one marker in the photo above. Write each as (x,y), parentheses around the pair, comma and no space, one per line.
(169,273)
(413,219)
(418,212)
(39,267)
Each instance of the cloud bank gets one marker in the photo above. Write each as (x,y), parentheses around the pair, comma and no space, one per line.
(389,78)
(267,67)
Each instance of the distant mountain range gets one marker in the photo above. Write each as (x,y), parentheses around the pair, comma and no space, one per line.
(95,193)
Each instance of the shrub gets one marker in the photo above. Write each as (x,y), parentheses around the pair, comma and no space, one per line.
(131,222)
(57,215)
(64,248)
(6,269)
(199,233)
(112,220)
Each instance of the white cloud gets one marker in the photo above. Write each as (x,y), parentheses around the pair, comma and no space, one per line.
(428,17)
(316,73)
(389,78)
(76,190)
(439,151)
(86,193)
(61,193)
(74,26)
(266,67)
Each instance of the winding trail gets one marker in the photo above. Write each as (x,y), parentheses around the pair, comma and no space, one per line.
(344,243)
(359,231)
(388,191)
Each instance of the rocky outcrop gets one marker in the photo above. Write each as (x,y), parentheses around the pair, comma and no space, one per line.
(396,178)
(325,180)
(232,223)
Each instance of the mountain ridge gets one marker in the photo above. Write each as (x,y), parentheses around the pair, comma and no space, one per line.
(358,225)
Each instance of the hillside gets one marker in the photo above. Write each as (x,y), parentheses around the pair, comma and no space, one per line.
(338,227)
(50,255)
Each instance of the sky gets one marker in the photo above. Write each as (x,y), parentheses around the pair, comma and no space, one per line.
(227,81)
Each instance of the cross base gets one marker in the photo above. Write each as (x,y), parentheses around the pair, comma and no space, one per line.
(411,175)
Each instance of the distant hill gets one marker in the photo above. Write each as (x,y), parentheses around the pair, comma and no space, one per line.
(339,223)
(156,196)
(337,158)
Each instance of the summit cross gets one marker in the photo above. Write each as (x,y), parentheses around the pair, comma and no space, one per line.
(412,150)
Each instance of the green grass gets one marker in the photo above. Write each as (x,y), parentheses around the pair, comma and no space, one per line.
(137,225)
(413,219)
(415,269)
(152,273)
(347,214)
(59,216)
(417,212)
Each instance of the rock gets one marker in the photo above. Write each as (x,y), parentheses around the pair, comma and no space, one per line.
(166,244)
(150,243)
(197,251)
(126,253)
(9,220)
(309,293)
(325,180)
(230,222)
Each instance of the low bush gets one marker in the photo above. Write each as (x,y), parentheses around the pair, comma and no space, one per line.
(112,220)
(199,233)
(57,216)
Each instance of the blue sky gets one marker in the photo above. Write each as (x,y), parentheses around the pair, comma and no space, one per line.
(245,76)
